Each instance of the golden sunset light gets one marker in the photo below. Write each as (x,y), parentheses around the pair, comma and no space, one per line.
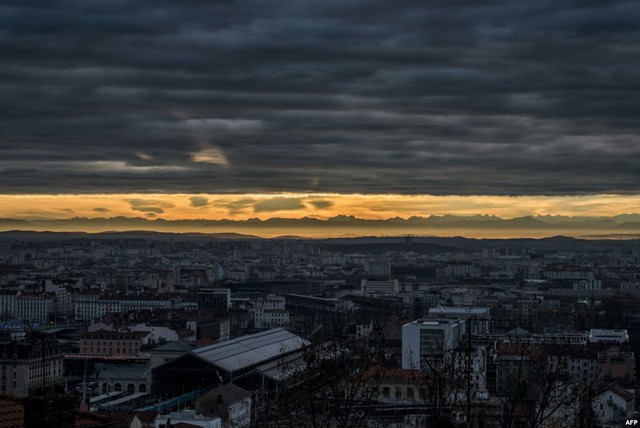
(321,206)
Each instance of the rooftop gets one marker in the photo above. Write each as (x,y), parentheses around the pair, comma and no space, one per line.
(175,346)
(458,311)
(229,393)
(12,412)
(250,350)
(129,371)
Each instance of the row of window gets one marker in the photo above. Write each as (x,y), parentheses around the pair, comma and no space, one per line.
(409,394)
(131,388)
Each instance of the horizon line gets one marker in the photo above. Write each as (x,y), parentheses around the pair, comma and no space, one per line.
(308,217)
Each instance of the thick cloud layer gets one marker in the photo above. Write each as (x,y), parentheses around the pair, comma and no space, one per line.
(365,96)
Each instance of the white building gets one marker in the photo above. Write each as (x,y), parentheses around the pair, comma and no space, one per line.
(270,301)
(379,288)
(88,307)
(269,309)
(7,304)
(188,417)
(630,285)
(237,275)
(608,335)
(130,378)
(156,334)
(272,318)
(21,363)
(425,342)
(478,359)
(613,406)
(64,304)
(587,285)
(131,303)
(37,307)
(230,402)
(461,270)
(567,273)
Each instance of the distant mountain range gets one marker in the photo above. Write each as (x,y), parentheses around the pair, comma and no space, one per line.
(574,226)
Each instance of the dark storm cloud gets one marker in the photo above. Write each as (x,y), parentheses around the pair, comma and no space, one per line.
(366,96)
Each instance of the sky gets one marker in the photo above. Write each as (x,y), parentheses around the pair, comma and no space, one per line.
(254,108)
(296,205)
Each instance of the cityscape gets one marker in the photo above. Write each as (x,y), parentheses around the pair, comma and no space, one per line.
(319,214)
(136,329)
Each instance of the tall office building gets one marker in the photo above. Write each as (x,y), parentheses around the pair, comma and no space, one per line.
(428,342)
(216,300)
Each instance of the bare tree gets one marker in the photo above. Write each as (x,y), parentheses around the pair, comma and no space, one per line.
(540,388)
(333,384)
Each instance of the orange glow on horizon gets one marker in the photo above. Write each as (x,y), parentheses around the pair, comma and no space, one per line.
(297,205)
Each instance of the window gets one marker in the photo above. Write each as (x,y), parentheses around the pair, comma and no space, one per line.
(386,392)
(410,393)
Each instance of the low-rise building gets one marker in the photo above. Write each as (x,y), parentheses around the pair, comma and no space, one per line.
(616,363)
(272,318)
(379,288)
(230,402)
(613,406)
(130,378)
(104,342)
(169,351)
(599,335)
(187,418)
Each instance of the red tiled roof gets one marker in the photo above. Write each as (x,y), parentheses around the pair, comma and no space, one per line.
(11,412)
(116,357)
(12,415)
(88,419)
(618,390)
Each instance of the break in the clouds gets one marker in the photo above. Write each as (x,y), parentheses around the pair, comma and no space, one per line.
(348,96)
(210,154)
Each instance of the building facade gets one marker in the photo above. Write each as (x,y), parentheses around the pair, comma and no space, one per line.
(105,342)
(29,363)
(426,342)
